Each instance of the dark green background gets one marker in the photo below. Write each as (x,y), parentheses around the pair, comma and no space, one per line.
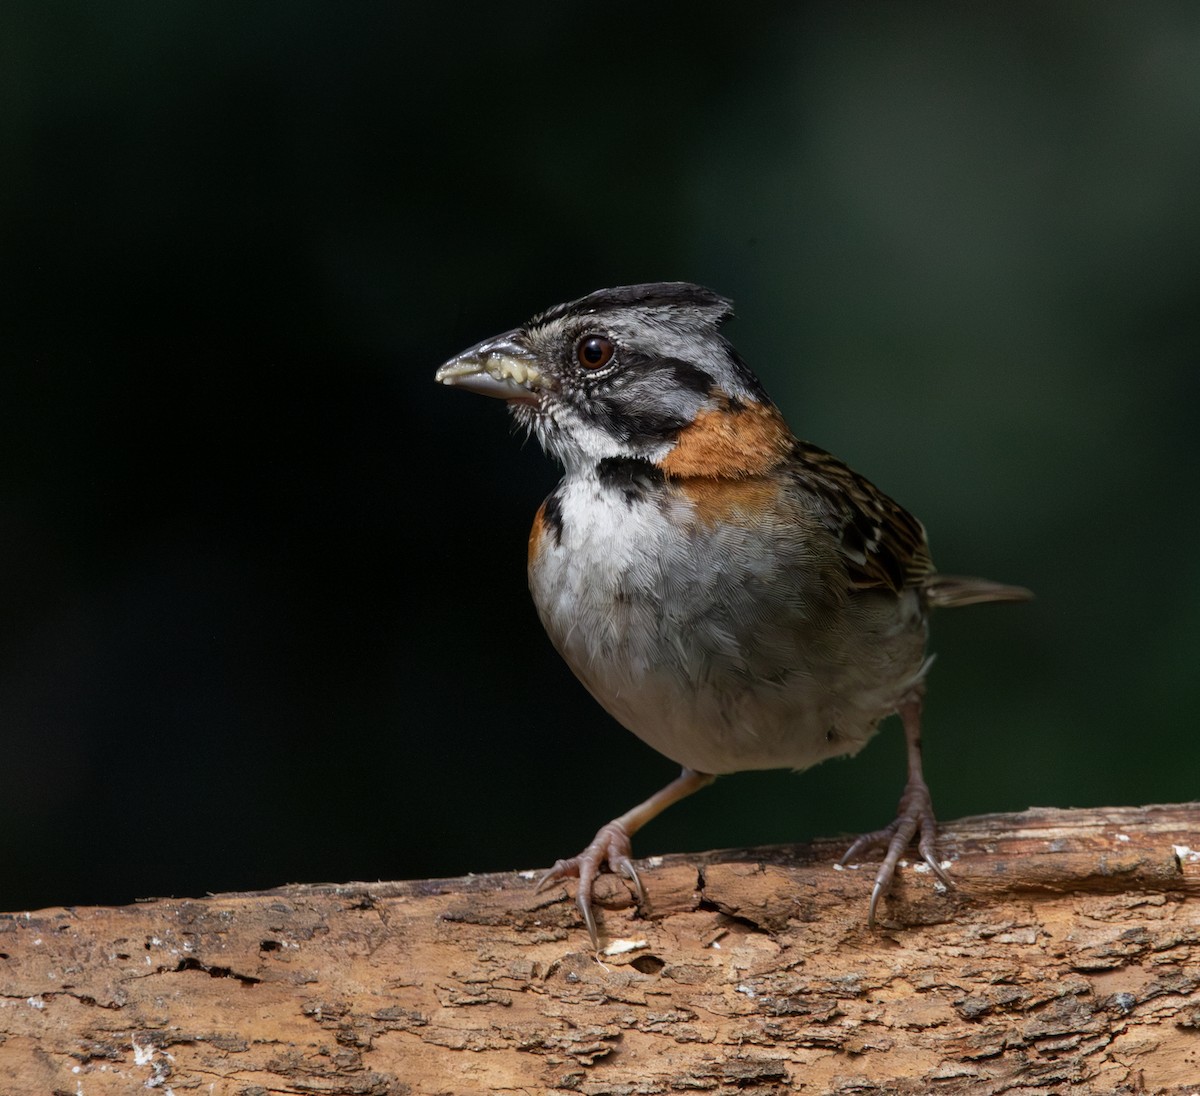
(264,614)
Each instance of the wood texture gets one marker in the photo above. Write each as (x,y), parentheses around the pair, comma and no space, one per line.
(1066,960)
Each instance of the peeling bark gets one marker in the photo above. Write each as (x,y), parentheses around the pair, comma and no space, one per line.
(1067,958)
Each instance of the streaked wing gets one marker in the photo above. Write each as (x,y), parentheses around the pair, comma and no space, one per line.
(883,545)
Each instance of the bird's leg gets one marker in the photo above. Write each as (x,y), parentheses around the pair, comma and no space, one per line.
(611,846)
(914,817)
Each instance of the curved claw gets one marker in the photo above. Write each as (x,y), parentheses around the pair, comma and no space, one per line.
(876,891)
(561,870)
(915,817)
(626,868)
(863,842)
(610,847)
(583,900)
(929,855)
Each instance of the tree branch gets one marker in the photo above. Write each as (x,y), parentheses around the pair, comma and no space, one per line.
(1068,955)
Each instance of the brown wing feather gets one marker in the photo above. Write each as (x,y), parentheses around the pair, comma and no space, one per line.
(883,545)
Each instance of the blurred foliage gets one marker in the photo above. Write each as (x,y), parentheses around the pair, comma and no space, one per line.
(263,611)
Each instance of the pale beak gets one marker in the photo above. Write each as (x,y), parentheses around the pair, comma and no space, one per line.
(500,367)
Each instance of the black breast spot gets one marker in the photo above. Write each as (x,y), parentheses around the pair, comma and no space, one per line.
(635,478)
(552,517)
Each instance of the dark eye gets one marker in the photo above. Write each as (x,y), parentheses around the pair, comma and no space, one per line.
(594,351)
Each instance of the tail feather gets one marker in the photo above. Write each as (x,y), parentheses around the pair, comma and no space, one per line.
(948,591)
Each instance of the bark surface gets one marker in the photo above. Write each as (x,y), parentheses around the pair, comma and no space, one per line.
(1066,959)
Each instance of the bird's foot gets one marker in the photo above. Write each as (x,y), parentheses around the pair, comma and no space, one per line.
(611,847)
(914,818)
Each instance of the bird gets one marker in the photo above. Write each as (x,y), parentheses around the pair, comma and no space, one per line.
(736,597)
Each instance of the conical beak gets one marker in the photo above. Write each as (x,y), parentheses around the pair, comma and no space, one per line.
(499,367)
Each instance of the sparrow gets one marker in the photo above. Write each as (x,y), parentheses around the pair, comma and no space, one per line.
(737,598)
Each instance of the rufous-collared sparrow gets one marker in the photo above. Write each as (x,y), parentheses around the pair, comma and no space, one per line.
(737,598)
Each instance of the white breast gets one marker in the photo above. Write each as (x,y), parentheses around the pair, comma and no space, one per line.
(715,645)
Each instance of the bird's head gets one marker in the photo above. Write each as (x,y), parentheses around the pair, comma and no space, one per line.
(637,372)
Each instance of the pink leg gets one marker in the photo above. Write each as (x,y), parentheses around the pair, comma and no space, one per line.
(914,816)
(611,846)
